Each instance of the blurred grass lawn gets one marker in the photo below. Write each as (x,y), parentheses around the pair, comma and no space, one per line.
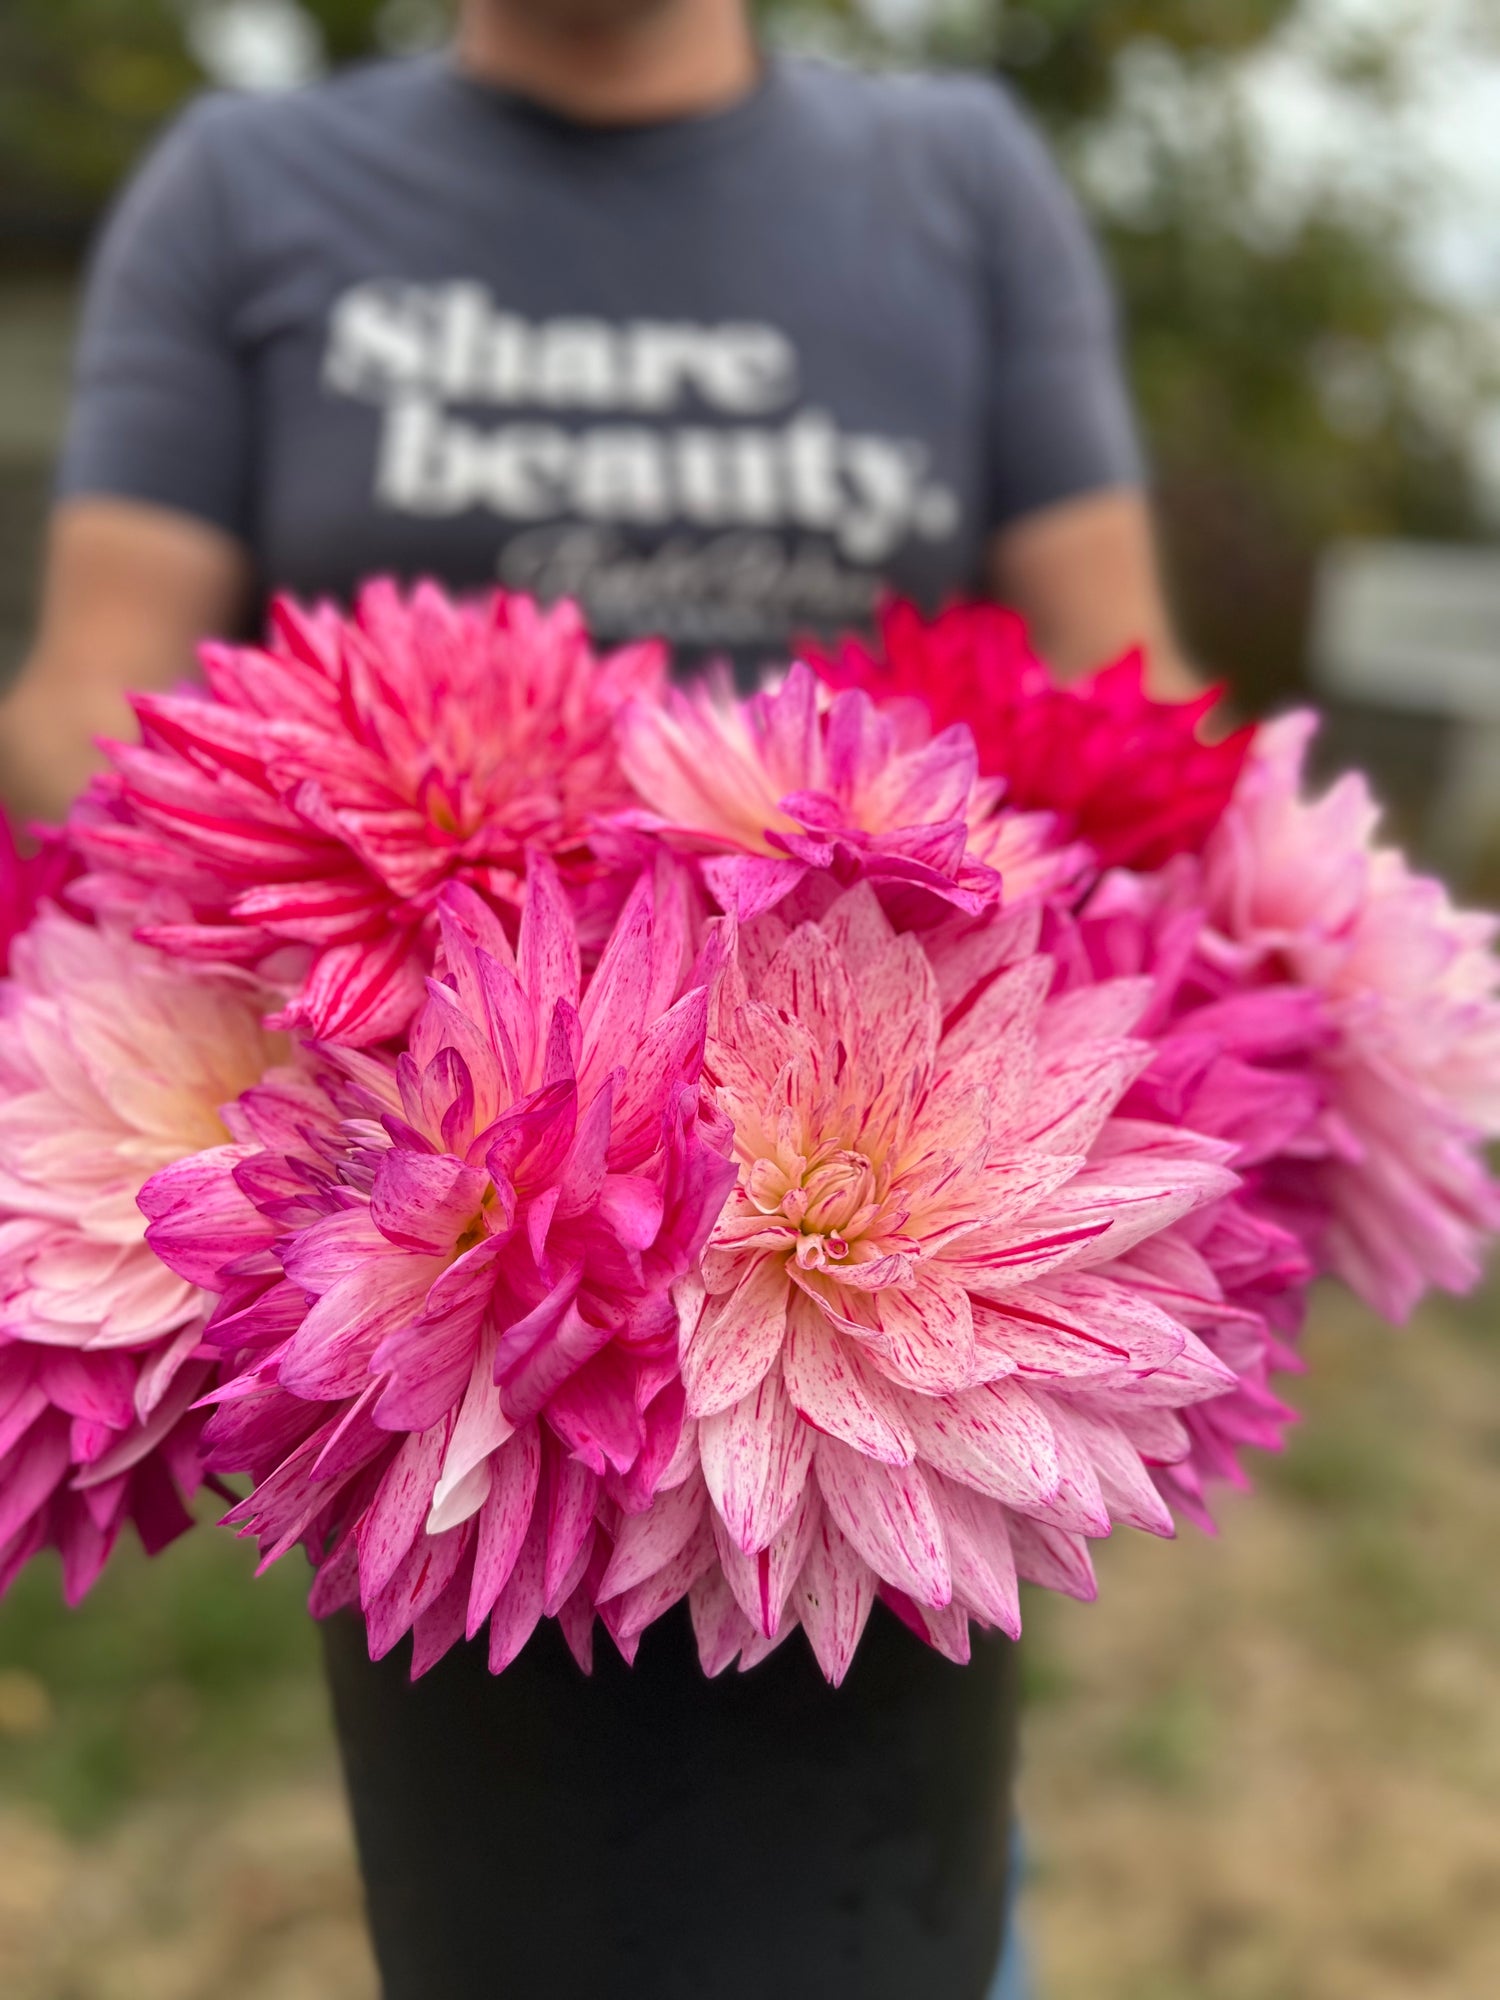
(1262,1768)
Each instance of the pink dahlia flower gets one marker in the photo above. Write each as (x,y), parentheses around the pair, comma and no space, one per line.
(782,785)
(909,1370)
(114,1061)
(448,1287)
(339,778)
(1133,777)
(1240,1063)
(1300,894)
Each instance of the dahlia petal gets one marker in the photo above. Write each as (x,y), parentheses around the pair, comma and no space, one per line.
(572,1501)
(583,1176)
(926,1337)
(159,1371)
(1053,1558)
(613,1014)
(1124,1481)
(995,1438)
(518,1609)
(439,1627)
(400,1506)
(547,961)
(635,1609)
(945,1630)
(330,1353)
(359,993)
(199,1219)
(719,1626)
(529,1384)
(762,1582)
(836,1393)
(749,885)
(424,1574)
(504,1520)
(425,1202)
(646,1542)
(670,1052)
(427,1365)
(1082,1328)
(887,1513)
(633,1207)
(756,1456)
(29,1473)
(736,1339)
(979,1553)
(1078,1505)
(834,1595)
(335,1584)
(662,1463)
(575,1620)
(21,1413)
(596,1413)
(97,1388)
(139,1444)
(480,1429)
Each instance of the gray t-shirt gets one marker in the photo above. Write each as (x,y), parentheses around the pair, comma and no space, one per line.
(720,378)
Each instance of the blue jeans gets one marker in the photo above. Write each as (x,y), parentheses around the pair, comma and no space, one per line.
(1011,1981)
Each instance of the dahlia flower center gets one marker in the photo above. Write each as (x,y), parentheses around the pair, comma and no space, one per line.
(831,1200)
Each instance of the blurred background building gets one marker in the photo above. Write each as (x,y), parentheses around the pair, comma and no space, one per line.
(1263,1770)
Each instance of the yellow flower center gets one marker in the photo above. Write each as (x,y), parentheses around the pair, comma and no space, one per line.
(832,1200)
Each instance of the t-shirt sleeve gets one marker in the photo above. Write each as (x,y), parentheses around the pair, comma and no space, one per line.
(1060,422)
(160,407)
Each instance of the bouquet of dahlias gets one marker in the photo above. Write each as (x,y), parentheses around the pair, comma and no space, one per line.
(552,1145)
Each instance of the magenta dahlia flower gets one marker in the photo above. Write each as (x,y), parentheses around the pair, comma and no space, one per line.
(114,1061)
(448,1289)
(1134,778)
(770,789)
(909,1370)
(342,776)
(29,880)
(1411,987)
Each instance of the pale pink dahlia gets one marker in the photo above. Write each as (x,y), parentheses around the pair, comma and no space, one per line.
(447,1289)
(783,784)
(339,778)
(114,1061)
(1300,894)
(1240,1063)
(909,1371)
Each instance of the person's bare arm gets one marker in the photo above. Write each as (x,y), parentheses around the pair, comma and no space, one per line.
(128,592)
(1086,577)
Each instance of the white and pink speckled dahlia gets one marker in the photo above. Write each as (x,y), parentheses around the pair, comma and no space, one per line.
(114,1062)
(908,1372)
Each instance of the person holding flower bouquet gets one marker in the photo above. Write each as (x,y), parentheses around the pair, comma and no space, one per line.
(604,304)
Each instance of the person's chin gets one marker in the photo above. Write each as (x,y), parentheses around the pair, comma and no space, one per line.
(584,17)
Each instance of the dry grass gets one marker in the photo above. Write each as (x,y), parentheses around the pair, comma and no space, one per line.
(1266,1768)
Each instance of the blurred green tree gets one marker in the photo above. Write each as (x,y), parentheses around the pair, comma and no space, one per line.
(1296,382)
(83,83)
